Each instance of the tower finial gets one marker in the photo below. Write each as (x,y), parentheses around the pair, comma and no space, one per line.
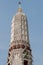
(19,3)
(19,8)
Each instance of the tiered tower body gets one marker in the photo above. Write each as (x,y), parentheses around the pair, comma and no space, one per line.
(19,51)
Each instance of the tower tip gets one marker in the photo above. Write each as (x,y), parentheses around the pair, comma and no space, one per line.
(19,3)
(19,8)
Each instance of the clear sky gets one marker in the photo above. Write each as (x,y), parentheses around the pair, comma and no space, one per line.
(34,11)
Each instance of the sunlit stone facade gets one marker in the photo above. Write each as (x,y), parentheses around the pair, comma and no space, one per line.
(19,50)
(19,27)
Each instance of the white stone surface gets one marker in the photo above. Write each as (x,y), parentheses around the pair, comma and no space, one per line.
(19,31)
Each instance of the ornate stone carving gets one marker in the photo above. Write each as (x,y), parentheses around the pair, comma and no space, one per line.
(19,49)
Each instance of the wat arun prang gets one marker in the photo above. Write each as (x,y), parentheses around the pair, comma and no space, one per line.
(19,50)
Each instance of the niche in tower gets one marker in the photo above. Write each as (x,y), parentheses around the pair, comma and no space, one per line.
(25,62)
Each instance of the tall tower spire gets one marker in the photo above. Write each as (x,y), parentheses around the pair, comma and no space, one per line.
(19,8)
(19,50)
(19,3)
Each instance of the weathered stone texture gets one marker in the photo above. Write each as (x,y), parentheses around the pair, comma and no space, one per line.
(19,51)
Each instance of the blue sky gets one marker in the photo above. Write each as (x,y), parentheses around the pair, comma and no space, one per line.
(34,11)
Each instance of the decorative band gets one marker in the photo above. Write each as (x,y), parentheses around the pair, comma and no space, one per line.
(20,41)
(19,46)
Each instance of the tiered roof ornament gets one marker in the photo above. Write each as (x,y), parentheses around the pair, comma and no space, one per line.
(19,8)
